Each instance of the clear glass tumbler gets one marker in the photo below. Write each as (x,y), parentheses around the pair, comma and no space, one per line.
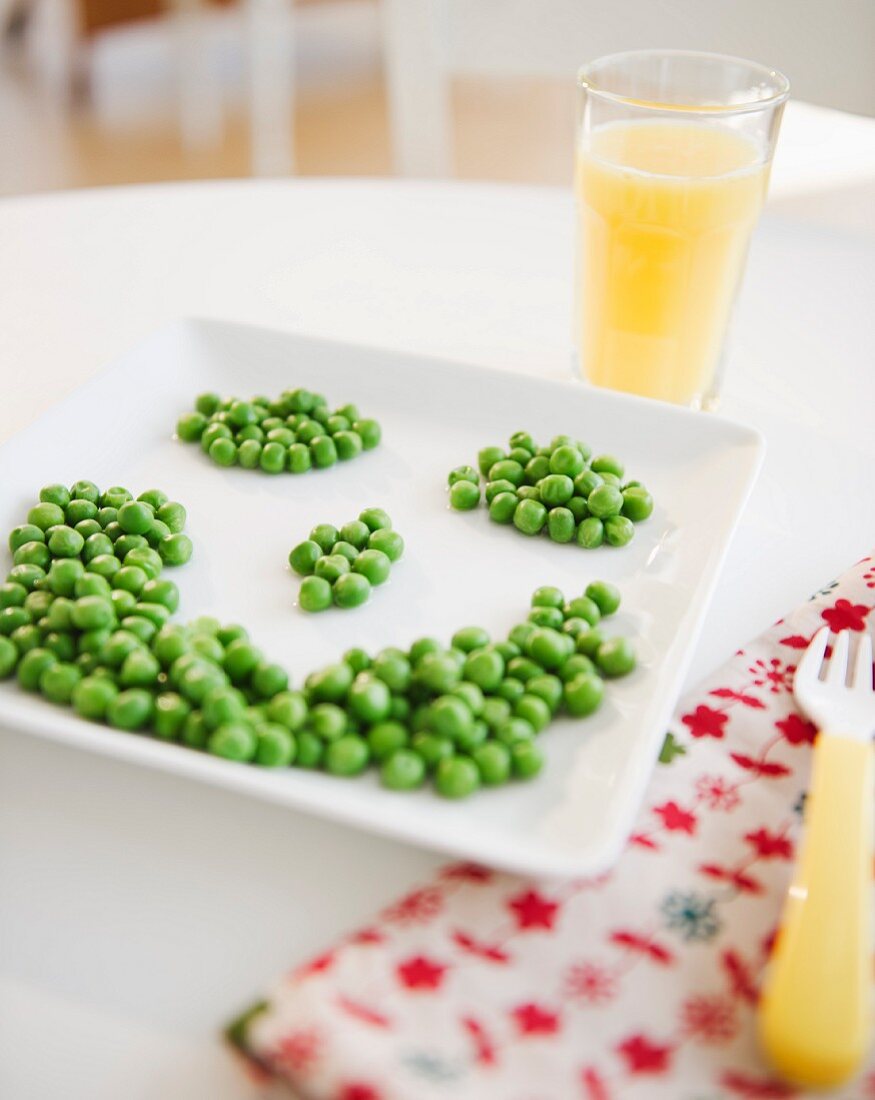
(672,165)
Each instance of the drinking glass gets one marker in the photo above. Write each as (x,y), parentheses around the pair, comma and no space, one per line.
(672,165)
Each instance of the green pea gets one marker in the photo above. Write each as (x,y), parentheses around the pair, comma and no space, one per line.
(561,525)
(58,681)
(304,556)
(619,530)
(190,426)
(213,432)
(230,632)
(351,590)
(493,488)
(369,698)
(114,497)
(11,618)
(370,433)
(331,566)
(400,710)
(548,648)
(463,473)
(528,492)
(142,627)
(349,445)
(85,490)
(170,715)
(583,695)
(547,688)
(422,648)
(605,596)
(507,470)
(104,565)
(223,704)
(556,489)
(403,770)
(605,501)
(194,732)
(32,665)
(456,777)
(493,763)
(337,423)
(323,451)
(160,592)
(173,514)
(529,517)
(240,660)
(537,469)
(471,695)
(502,508)
(308,430)
(13,595)
(545,616)
(88,527)
(328,721)
(315,594)
(198,680)
(515,730)
(207,403)
(118,646)
(33,553)
(356,533)
(310,750)
(139,669)
(372,564)
(8,657)
(615,657)
(385,738)
(576,665)
(175,549)
(578,508)
(523,669)
(271,457)
(520,455)
(523,440)
(325,536)
(233,741)
(124,544)
(449,716)
(157,532)
(438,673)
(607,464)
(535,710)
(487,458)
(25,532)
(519,636)
(431,748)
(55,494)
(526,760)
(79,510)
(510,689)
(135,517)
(331,683)
(269,679)
(289,709)
(347,756)
(96,545)
(298,459)
(92,613)
(131,578)
(583,607)
(106,516)
(357,660)
(464,496)
(470,638)
(394,670)
(566,459)
(591,533)
(320,412)
(484,668)
(387,542)
(169,644)
(275,746)
(45,515)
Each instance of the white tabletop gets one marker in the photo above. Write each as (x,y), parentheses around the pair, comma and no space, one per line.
(137,910)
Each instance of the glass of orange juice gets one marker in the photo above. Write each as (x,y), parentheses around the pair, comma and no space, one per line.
(672,164)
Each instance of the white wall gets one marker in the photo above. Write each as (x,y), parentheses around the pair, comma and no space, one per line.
(825,47)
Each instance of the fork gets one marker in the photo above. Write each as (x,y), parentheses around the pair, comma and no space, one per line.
(815,1015)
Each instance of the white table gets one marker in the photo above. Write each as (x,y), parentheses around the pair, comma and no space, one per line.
(137,910)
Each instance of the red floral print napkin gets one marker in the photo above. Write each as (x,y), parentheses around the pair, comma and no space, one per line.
(638,985)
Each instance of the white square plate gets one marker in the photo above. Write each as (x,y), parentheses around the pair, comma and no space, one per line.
(458,568)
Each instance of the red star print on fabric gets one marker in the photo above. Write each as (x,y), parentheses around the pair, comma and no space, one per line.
(418,907)
(419,972)
(594,1087)
(845,615)
(532,1019)
(706,722)
(641,1055)
(297,1050)
(533,910)
(796,730)
(675,819)
(357,1090)
(755,1088)
(709,1019)
(741,981)
(770,845)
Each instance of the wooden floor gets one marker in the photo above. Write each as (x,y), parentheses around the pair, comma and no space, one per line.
(503,130)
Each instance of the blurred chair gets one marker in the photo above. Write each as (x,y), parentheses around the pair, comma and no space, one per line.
(826,48)
(63,32)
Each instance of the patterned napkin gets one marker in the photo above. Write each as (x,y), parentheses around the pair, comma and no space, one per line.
(639,984)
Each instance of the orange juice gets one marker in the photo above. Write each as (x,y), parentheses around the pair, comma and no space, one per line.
(666,213)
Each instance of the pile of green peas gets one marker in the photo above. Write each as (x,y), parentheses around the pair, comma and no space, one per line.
(294,433)
(341,567)
(85,622)
(560,490)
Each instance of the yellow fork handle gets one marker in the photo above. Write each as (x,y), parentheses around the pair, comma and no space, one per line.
(815,1018)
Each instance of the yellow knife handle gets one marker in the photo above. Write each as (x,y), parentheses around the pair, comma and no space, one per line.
(815,1012)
